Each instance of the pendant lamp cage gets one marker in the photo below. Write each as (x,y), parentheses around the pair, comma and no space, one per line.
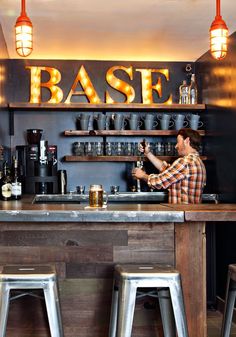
(218,35)
(23,33)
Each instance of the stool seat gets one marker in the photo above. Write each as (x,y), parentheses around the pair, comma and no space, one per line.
(27,277)
(166,280)
(24,274)
(144,273)
(229,301)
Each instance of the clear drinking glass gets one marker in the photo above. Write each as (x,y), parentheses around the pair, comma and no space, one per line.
(99,147)
(128,149)
(89,149)
(159,149)
(119,149)
(169,149)
(108,149)
(78,148)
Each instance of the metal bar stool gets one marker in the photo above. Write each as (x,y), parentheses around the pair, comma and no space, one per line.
(229,301)
(127,278)
(31,277)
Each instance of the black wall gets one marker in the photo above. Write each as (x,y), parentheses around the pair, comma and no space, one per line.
(218,84)
(4,129)
(218,89)
(55,122)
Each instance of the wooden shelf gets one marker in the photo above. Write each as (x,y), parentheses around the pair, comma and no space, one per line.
(125,133)
(116,158)
(105,107)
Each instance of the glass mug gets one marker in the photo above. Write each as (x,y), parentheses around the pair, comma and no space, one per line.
(96,196)
(166,123)
(194,121)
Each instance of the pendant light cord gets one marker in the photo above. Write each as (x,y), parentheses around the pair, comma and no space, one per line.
(23,8)
(218,8)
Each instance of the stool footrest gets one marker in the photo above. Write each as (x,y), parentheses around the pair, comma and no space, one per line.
(152,293)
(30,293)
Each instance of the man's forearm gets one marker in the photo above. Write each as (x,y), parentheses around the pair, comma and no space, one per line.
(154,160)
(145,177)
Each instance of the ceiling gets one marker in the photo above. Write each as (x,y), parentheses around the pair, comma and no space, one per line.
(145,30)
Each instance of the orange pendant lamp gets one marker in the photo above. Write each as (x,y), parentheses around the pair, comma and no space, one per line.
(24,33)
(218,35)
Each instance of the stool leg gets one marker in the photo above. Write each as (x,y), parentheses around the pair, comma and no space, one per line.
(4,307)
(229,307)
(114,310)
(53,309)
(127,297)
(166,309)
(178,307)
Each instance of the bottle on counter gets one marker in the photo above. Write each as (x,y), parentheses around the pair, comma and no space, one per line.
(16,183)
(193,91)
(5,184)
(184,93)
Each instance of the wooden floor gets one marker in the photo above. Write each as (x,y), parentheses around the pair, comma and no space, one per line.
(214,320)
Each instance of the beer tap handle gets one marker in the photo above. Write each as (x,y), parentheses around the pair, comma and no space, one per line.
(139,165)
(141,157)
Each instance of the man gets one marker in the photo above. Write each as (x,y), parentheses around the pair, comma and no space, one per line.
(186,177)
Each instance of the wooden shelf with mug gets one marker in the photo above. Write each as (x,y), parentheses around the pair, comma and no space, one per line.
(71,158)
(125,133)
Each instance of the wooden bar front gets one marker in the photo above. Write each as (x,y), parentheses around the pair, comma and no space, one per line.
(85,253)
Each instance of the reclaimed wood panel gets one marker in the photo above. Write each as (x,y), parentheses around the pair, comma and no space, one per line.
(89,226)
(84,254)
(63,238)
(161,237)
(154,244)
(91,270)
(191,262)
(134,254)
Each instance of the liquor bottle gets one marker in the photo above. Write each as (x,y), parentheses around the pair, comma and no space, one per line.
(5,184)
(184,93)
(16,191)
(193,91)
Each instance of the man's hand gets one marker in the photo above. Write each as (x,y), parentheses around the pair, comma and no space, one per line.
(138,173)
(144,149)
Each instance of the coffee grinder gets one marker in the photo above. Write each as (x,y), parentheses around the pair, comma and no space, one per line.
(39,163)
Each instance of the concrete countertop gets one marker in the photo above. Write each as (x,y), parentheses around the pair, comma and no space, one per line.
(207,212)
(26,211)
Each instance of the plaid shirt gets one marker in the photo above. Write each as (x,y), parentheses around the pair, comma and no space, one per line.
(184,179)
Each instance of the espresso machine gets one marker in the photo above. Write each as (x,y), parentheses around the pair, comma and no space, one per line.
(39,167)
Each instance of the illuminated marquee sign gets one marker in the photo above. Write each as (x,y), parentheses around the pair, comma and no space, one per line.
(88,89)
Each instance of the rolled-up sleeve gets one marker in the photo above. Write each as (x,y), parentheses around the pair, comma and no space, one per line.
(169,174)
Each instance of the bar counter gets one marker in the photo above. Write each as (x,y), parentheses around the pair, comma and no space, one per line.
(85,244)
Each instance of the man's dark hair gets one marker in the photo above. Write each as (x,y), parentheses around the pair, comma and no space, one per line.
(194,137)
